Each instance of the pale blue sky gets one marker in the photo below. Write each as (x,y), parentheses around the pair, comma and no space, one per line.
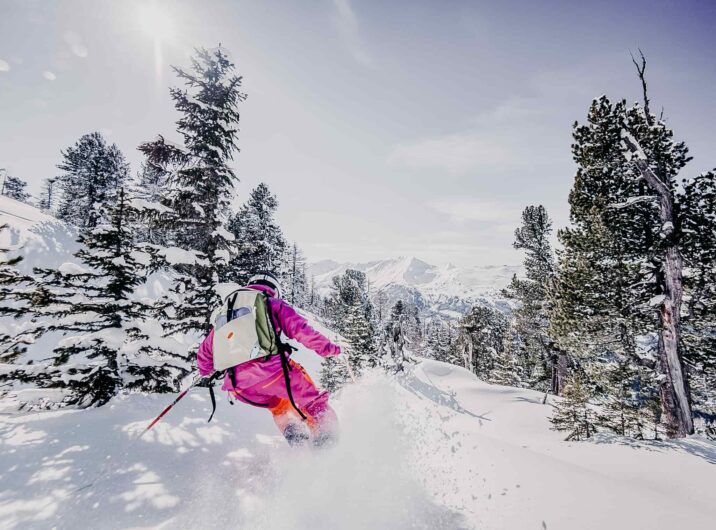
(386,128)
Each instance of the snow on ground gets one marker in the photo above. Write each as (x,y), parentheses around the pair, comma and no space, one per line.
(434,449)
(42,240)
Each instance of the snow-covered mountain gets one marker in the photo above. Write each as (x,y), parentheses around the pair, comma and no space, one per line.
(449,290)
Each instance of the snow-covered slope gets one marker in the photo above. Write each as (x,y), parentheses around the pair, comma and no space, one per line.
(444,289)
(435,450)
(42,240)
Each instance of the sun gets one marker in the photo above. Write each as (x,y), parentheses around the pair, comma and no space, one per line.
(155,21)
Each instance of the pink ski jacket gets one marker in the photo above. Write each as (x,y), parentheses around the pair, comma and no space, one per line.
(288,321)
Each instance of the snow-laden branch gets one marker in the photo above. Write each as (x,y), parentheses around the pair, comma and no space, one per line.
(631,201)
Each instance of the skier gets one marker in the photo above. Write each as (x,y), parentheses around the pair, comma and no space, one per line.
(276,382)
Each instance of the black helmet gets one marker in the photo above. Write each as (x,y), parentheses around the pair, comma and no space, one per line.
(268,279)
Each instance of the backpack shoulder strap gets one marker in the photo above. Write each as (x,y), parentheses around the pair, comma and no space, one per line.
(230,305)
(284,350)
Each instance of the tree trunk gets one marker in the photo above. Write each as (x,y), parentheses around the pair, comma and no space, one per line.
(674,389)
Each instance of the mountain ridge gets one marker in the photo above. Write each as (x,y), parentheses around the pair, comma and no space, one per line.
(448,289)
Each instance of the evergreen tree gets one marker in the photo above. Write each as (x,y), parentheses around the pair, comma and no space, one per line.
(93,172)
(629,407)
(154,217)
(443,344)
(91,305)
(260,244)
(621,258)
(13,292)
(295,278)
(14,188)
(49,196)
(698,204)
(199,183)
(360,334)
(508,370)
(545,362)
(395,337)
(333,374)
(482,335)
(351,313)
(573,412)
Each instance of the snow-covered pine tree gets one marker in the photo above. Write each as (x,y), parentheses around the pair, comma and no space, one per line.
(380,301)
(482,336)
(260,243)
(14,287)
(154,217)
(698,237)
(200,183)
(295,278)
(360,334)
(394,338)
(333,374)
(628,409)
(573,413)
(14,187)
(49,195)
(350,311)
(622,271)
(508,370)
(91,304)
(540,355)
(93,173)
(442,343)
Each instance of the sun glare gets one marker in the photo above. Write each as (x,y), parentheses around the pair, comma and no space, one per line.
(155,21)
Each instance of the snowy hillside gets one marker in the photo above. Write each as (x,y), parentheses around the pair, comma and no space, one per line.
(437,449)
(445,289)
(41,239)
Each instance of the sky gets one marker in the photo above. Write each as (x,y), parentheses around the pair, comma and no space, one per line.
(403,128)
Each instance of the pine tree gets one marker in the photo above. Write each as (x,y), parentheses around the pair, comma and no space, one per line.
(395,337)
(295,278)
(441,342)
(621,271)
(49,196)
(508,370)
(628,410)
(91,305)
(14,188)
(154,215)
(482,335)
(260,244)
(199,184)
(13,293)
(540,355)
(358,330)
(351,313)
(698,204)
(333,374)
(573,413)
(93,173)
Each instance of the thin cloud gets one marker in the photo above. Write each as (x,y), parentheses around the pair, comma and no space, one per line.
(76,45)
(4,66)
(455,153)
(348,27)
(463,210)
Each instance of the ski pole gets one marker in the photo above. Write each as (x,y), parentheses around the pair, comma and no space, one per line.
(196,381)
